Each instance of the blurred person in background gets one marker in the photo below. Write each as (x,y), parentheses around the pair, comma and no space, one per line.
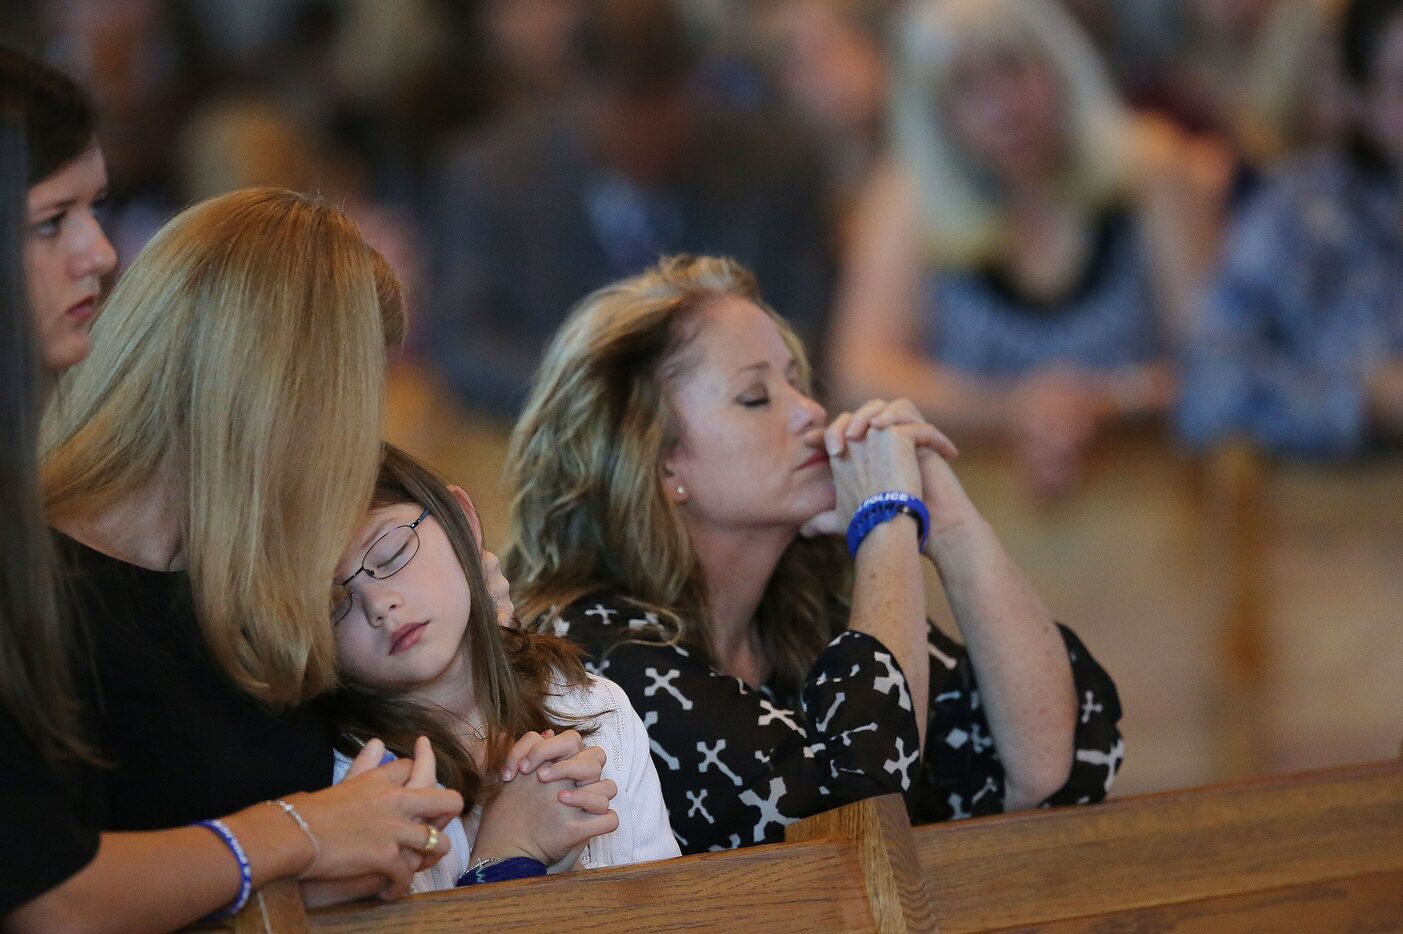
(635,163)
(384,81)
(528,47)
(252,140)
(828,61)
(20,27)
(66,252)
(144,74)
(1301,348)
(1250,80)
(1030,254)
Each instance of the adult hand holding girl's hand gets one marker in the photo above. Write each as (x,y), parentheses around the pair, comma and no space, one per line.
(372,827)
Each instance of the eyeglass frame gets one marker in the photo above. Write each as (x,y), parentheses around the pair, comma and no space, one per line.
(413,527)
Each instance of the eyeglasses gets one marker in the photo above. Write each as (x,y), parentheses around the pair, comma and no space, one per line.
(385,557)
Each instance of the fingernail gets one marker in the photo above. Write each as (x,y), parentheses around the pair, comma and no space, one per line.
(523,766)
(507,775)
(544,774)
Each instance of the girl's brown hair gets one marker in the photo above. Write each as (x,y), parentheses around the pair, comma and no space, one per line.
(590,513)
(514,674)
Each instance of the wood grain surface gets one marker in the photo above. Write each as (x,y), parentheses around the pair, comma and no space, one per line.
(886,855)
(788,887)
(1155,850)
(1317,851)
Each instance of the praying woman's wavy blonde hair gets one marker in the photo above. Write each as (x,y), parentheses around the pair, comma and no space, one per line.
(589,512)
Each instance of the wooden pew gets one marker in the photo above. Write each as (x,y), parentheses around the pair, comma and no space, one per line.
(800,887)
(1313,852)
(1235,477)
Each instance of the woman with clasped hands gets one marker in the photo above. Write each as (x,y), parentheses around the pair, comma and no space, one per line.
(669,457)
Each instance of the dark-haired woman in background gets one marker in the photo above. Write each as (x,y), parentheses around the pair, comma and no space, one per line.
(39,729)
(66,252)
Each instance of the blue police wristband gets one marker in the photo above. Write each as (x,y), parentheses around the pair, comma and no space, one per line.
(499,869)
(882,508)
(226,836)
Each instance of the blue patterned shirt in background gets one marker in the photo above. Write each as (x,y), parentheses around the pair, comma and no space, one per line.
(1309,299)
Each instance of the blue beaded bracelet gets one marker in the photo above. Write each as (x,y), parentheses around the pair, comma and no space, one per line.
(221,830)
(502,870)
(882,507)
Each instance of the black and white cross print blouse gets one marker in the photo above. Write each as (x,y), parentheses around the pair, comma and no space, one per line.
(738,764)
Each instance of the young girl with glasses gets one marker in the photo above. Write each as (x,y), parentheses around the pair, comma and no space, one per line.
(422,653)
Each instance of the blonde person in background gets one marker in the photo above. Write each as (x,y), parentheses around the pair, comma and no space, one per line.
(1028,256)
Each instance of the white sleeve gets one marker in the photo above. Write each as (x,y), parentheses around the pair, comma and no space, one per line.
(644,829)
(341,764)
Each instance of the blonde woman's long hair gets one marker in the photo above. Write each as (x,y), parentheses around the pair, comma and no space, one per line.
(963,221)
(589,512)
(241,357)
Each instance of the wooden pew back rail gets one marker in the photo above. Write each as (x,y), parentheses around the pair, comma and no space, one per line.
(1319,851)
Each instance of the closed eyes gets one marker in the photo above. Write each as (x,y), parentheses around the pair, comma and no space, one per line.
(49,226)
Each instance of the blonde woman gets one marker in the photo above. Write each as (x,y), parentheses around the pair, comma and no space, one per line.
(1028,254)
(668,459)
(205,467)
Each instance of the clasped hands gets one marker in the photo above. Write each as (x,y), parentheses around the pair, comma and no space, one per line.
(374,825)
(885,446)
(550,802)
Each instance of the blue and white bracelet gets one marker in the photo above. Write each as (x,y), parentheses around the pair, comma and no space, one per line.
(883,507)
(502,869)
(222,831)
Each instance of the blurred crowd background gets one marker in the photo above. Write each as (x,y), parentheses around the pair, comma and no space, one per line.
(1141,259)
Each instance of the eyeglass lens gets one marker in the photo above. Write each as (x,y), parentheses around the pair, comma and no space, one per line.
(386,557)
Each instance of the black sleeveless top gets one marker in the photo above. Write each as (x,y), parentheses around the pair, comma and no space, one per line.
(181,742)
